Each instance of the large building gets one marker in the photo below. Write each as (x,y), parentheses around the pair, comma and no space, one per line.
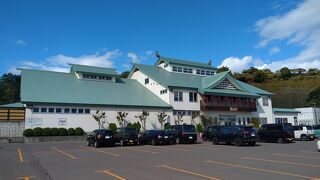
(179,88)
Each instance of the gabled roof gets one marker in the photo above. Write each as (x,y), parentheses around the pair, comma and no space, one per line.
(183,62)
(285,110)
(63,88)
(203,84)
(93,69)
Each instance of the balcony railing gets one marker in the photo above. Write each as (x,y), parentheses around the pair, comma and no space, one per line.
(246,106)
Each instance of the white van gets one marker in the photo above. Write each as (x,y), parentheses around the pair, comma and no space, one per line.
(304,132)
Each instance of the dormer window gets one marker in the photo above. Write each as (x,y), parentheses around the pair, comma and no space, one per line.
(97,77)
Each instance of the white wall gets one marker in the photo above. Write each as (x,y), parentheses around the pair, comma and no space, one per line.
(153,86)
(185,104)
(264,111)
(289,116)
(86,121)
(307,115)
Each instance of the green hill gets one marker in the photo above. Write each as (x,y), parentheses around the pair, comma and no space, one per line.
(291,93)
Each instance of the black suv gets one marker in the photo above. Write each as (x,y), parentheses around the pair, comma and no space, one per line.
(237,135)
(209,131)
(155,137)
(101,137)
(183,133)
(126,136)
(276,132)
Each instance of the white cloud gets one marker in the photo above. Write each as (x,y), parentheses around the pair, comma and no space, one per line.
(60,62)
(148,53)
(133,57)
(274,50)
(45,49)
(236,64)
(299,26)
(21,42)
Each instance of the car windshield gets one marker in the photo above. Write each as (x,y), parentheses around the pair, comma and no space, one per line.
(131,130)
(189,128)
(309,127)
(288,128)
(105,132)
(249,129)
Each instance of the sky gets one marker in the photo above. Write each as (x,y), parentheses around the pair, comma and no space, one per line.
(116,33)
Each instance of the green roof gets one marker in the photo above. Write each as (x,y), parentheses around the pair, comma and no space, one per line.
(93,69)
(204,84)
(64,88)
(12,105)
(285,110)
(183,62)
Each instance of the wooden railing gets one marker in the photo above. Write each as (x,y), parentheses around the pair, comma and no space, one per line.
(228,105)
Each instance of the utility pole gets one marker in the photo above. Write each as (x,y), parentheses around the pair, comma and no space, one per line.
(315,113)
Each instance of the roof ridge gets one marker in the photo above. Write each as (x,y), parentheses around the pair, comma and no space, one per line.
(72,64)
(42,70)
(188,60)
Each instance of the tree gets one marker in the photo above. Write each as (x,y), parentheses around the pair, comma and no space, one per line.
(99,116)
(124,74)
(178,119)
(223,69)
(199,128)
(312,71)
(143,118)
(194,115)
(9,88)
(255,122)
(285,73)
(162,116)
(314,97)
(121,118)
(206,121)
(259,76)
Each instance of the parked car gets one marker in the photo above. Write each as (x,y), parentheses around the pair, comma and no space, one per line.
(209,131)
(316,131)
(155,137)
(276,132)
(126,136)
(304,132)
(237,135)
(183,133)
(101,137)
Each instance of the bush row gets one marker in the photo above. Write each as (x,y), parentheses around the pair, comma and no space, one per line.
(53,132)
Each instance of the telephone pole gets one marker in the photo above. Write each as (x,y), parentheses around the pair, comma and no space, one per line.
(315,113)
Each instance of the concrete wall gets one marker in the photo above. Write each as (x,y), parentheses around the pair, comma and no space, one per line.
(308,116)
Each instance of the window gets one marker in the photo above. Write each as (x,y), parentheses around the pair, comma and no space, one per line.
(66,110)
(43,110)
(179,112)
(239,120)
(193,97)
(80,111)
(35,110)
(108,78)
(146,81)
(265,101)
(51,110)
(87,111)
(248,120)
(243,120)
(73,111)
(174,69)
(58,110)
(190,71)
(281,120)
(198,71)
(263,121)
(179,69)
(208,73)
(212,73)
(178,96)
(166,65)
(187,70)
(163,91)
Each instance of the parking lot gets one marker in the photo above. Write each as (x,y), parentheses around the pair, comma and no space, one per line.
(203,160)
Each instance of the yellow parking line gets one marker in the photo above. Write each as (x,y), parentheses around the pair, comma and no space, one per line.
(282,162)
(188,172)
(142,150)
(26,177)
(62,152)
(105,152)
(20,155)
(108,172)
(291,155)
(167,148)
(259,169)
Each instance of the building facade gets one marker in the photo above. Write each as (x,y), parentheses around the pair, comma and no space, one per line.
(309,116)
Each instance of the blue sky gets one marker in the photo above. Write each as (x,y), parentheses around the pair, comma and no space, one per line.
(265,34)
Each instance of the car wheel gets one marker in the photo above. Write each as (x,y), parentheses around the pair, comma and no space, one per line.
(88,143)
(96,144)
(122,143)
(237,142)
(280,140)
(304,138)
(215,141)
(178,141)
(204,138)
(252,143)
(153,142)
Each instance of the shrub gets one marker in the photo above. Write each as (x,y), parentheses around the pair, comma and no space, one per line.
(167,126)
(79,131)
(137,125)
(28,132)
(199,128)
(46,132)
(255,122)
(71,132)
(37,131)
(55,132)
(113,127)
(63,132)
(130,125)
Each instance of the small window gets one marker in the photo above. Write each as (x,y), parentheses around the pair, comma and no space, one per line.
(190,71)
(178,96)
(174,69)
(73,111)
(80,111)
(51,110)
(248,121)
(146,81)
(198,71)
(66,110)
(179,69)
(208,73)
(212,73)
(193,97)
(87,111)
(185,70)
(35,110)
(43,110)
(265,101)
(58,110)
(163,91)
(202,72)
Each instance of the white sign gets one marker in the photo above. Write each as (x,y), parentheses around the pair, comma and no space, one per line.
(62,121)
